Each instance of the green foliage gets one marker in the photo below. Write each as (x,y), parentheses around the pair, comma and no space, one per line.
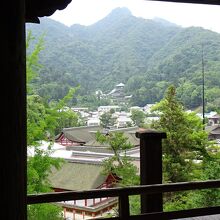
(44,211)
(146,55)
(64,101)
(36,115)
(42,120)
(107,119)
(199,198)
(138,117)
(187,154)
(211,171)
(32,60)
(186,140)
(179,201)
(38,170)
(134,203)
(119,164)
(91,101)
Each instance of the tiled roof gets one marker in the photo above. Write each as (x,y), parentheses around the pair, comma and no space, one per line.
(211,128)
(77,176)
(86,135)
(81,134)
(208,217)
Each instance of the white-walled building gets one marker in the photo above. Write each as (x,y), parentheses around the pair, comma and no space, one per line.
(107,108)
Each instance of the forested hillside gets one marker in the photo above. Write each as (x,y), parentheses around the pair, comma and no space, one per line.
(146,55)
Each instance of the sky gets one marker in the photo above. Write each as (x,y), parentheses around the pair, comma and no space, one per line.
(87,12)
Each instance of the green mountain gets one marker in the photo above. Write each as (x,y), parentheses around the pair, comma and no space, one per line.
(146,55)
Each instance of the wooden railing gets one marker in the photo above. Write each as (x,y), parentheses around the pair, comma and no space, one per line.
(151,189)
(124,193)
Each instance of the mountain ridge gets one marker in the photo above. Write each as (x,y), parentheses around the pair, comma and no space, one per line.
(125,48)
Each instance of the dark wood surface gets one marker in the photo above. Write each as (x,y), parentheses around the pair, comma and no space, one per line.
(13,99)
(13,112)
(151,167)
(211,2)
(121,191)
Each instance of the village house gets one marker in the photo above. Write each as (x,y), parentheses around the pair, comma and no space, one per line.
(123,120)
(213,118)
(214,132)
(108,108)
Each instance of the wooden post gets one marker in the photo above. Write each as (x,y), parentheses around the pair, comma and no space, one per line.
(151,167)
(13,99)
(74,214)
(124,211)
(64,212)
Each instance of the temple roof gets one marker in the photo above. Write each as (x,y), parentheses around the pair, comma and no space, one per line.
(69,177)
(81,134)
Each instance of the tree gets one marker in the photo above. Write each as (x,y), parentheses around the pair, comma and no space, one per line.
(38,170)
(186,139)
(36,114)
(39,165)
(210,171)
(32,60)
(60,116)
(107,119)
(137,117)
(121,164)
(184,151)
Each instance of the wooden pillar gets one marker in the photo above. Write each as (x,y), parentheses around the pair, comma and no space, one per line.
(13,99)
(151,168)
(74,214)
(123,207)
(64,212)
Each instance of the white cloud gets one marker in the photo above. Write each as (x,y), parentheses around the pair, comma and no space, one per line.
(87,12)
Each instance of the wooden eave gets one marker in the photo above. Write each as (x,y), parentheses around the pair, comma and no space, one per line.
(39,8)
(210,2)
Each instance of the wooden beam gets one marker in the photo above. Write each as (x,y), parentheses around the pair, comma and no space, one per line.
(115,192)
(13,110)
(209,2)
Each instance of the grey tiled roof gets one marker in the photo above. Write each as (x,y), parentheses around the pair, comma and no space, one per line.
(208,217)
(77,176)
